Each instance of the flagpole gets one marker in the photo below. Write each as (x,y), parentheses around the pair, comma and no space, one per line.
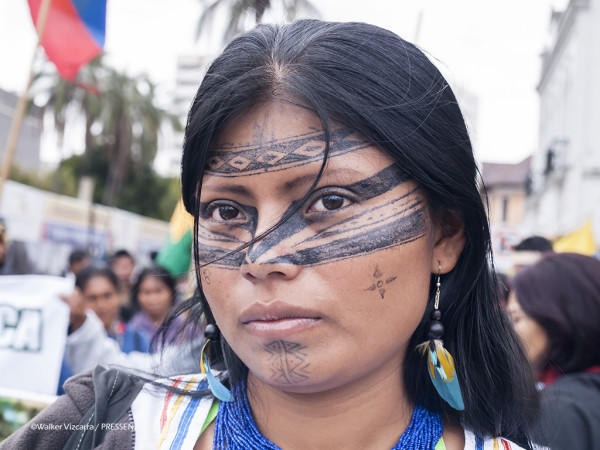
(17,120)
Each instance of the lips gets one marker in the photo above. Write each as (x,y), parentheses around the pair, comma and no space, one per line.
(277,320)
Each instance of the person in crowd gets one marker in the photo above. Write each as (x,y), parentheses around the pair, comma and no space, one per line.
(14,259)
(528,251)
(555,307)
(153,295)
(78,259)
(342,252)
(100,289)
(534,244)
(122,264)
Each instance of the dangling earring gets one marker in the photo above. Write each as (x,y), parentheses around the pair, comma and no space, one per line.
(218,389)
(441,363)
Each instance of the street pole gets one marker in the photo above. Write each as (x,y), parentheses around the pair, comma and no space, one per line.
(17,120)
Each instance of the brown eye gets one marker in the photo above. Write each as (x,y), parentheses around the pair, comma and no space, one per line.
(224,213)
(331,202)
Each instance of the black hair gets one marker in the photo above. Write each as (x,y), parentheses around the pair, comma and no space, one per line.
(503,288)
(121,253)
(387,90)
(161,274)
(85,275)
(561,292)
(534,243)
(77,255)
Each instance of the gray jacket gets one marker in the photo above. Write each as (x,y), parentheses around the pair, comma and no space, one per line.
(94,413)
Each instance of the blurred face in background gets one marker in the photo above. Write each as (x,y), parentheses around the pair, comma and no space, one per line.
(533,336)
(123,267)
(155,298)
(102,297)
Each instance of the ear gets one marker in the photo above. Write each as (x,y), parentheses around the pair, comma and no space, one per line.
(449,243)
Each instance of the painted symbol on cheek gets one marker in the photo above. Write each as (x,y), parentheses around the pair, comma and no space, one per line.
(287,361)
(206,276)
(380,282)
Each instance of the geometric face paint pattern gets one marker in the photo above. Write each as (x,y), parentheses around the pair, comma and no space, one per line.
(394,222)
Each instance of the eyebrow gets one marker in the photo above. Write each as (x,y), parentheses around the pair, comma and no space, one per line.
(289,185)
(230,188)
(310,178)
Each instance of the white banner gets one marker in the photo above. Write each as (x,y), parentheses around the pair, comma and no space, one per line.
(33,331)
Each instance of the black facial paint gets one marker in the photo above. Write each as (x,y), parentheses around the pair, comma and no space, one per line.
(287,361)
(393,223)
(379,282)
(280,154)
(378,184)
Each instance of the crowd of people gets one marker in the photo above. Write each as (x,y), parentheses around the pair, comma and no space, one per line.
(342,255)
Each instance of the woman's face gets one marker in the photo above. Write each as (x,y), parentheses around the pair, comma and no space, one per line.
(333,295)
(154,297)
(533,336)
(102,297)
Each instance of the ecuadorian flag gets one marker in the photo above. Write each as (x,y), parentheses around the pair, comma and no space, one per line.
(73,34)
(176,254)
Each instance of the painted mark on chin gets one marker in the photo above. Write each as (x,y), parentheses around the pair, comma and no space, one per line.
(379,282)
(287,361)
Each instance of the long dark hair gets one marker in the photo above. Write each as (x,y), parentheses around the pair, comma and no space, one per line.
(387,90)
(86,274)
(561,292)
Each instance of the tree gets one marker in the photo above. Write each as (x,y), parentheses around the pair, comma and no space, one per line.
(243,14)
(122,123)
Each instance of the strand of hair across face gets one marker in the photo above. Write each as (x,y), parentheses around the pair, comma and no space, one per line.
(235,428)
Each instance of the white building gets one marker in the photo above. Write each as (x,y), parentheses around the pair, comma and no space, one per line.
(190,71)
(566,167)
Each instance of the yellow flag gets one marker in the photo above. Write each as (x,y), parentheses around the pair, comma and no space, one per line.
(580,241)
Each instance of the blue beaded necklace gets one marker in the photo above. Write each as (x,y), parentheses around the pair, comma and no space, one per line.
(235,428)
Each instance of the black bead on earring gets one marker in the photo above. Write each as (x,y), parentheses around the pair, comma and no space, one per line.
(441,363)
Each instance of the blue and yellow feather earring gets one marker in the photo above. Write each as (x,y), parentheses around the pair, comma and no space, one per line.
(219,390)
(441,364)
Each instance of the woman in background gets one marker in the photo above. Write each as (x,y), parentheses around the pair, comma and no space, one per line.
(555,307)
(153,295)
(100,289)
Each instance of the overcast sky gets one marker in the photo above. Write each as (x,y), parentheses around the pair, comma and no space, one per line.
(489,48)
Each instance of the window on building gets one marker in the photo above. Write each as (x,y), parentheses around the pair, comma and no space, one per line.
(550,161)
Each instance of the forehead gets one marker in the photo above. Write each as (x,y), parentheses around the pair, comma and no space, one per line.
(98,282)
(276,136)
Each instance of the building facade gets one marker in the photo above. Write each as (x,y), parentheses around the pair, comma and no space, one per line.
(506,187)
(190,71)
(565,172)
(27,152)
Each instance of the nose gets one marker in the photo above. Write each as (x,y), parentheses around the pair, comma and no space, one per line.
(274,264)
(273,255)
(256,271)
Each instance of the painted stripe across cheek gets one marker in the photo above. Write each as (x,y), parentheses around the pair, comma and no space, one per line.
(395,222)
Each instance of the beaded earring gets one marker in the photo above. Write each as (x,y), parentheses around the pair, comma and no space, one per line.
(219,390)
(441,363)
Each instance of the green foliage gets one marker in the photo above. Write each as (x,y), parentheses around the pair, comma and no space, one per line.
(37,180)
(151,195)
(244,14)
(122,122)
